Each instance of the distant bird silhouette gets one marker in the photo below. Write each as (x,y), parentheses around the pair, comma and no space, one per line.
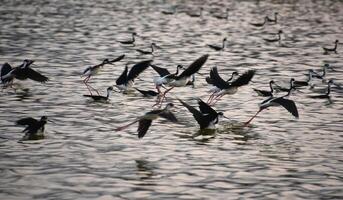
(147,52)
(218,48)
(327,94)
(273,20)
(22,72)
(207,117)
(148,93)
(228,88)
(226,16)
(34,129)
(266,93)
(278,39)
(93,70)
(328,50)
(321,76)
(144,122)
(126,79)
(260,24)
(196,14)
(277,101)
(132,41)
(101,98)
(168,12)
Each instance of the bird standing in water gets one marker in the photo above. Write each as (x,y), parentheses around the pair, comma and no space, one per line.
(99,97)
(334,49)
(34,128)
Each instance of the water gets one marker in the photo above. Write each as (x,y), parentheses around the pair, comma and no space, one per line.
(82,157)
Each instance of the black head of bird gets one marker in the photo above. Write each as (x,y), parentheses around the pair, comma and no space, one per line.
(280,32)
(337,41)
(27,63)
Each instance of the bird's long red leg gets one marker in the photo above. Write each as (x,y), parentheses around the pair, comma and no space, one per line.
(246,123)
(126,126)
(210,98)
(94,90)
(165,93)
(216,99)
(85,82)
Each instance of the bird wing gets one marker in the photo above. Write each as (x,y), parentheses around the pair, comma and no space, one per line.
(5,69)
(137,69)
(123,77)
(198,116)
(244,79)
(34,75)
(143,126)
(26,121)
(289,105)
(117,59)
(206,109)
(209,80)
(217,80)
(161,71)
(168,115)
(194,67)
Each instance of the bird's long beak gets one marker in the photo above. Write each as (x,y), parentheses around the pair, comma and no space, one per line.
(226,117)
(51,121)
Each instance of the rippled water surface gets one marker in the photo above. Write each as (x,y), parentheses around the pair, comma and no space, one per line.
(82,157)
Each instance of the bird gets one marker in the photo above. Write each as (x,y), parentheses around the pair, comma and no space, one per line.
(182,79)
(215,89)
(148,93)
(260,24)
(334,49)
(288,104)
(5,69)
(284,89)
(228,88)
(321,76)
(147,52)
(278,39)
(132,41)
(218,48)
(99,97)
(93,70)
(126,79)
(226,16)
(207,117)
(164,76)
(273,20)
(144,122)
(34,128)
(169,12)
(196,14)
(266,93)
(22,72)
(327,94)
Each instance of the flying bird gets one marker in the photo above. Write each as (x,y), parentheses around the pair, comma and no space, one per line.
(99,97)
(34,128)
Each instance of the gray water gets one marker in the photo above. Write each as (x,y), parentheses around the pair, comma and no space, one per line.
(82,157)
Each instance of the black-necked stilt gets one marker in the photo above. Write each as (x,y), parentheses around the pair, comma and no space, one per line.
(93,70)
(278,39)
(327,94)
(34,129)
(169,12)
(148,93)
(132,41)
(277,101)
(228,88)
(321,76)
(164,76)
(218,48)
(215,89)
(260,24)
(99,97)
(265,93)
(126,79)
(207,117)
(182,79)
(284,89)
(144,122)
(226,16)
(328,50)
(22,72)
(148,52)
(196,14)
(273,20)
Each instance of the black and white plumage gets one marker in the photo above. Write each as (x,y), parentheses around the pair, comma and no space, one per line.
(328,50)
(288,104)
(326,66)
(182,79)
(278,39)
(148,93)
(207,117)
(266,93)
(99,97)
(34,128)
(93,70)
(327,94)
(260,24)
(144,122)
(215,89)
(216,47)
(164,75)
(225,16)
(226,87)
(132,41)
(147,52)
(273,20)
(126,79)
(22,72)
(196,14)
